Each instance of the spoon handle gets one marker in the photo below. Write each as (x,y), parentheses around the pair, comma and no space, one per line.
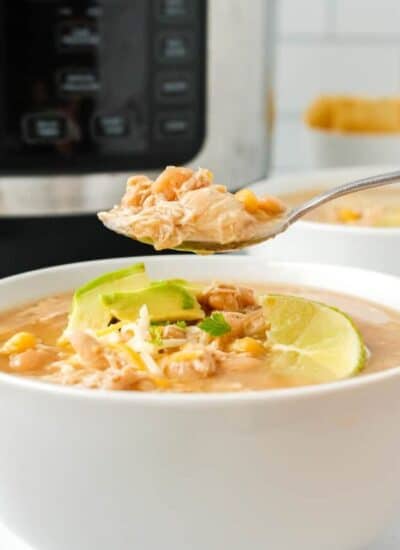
(345,189)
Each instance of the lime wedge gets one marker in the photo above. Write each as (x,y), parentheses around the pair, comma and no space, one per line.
(312,341)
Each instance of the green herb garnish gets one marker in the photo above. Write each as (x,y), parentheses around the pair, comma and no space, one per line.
(215,325)
(181,324)
(155,333)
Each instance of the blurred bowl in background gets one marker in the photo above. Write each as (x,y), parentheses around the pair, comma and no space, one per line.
(329,149)
(308,241)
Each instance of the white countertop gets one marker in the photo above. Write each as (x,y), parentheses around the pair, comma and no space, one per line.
(9,542)
(391,541)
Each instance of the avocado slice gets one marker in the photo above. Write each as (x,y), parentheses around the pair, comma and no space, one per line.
(191,286)
(88,310)
(165,300)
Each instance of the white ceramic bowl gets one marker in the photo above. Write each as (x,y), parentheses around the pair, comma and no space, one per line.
(330,149)
(366,247)
(310,468)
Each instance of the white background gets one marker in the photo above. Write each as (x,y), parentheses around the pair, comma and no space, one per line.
(335,46)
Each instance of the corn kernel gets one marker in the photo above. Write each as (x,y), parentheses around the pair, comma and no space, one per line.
(249,200)
(248,345)
(21,341)
(271,205)
(63,342)
(348,215)
(209,175)
(221,188)
(162,383)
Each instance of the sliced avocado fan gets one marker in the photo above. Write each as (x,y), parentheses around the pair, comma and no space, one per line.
(89,311)
(165,300)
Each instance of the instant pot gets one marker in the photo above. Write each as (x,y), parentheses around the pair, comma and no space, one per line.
(92,91)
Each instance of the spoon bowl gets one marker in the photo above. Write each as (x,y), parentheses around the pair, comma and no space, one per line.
(209,247)
(279,225)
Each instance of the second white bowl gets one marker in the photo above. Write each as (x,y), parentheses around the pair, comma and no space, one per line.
(329,149)
(306,241)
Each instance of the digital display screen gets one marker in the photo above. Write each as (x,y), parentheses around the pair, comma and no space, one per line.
(100,83)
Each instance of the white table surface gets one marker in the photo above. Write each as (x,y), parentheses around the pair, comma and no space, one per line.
(391,541)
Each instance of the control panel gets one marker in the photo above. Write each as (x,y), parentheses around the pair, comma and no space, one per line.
(103,85)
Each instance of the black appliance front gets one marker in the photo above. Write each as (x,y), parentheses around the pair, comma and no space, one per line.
(90,86)
(33,243)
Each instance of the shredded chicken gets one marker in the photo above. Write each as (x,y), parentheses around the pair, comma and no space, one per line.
(225,297)
(32,359)
(190,362)
(138,188)
(247,324)
(124,378)
(173,331)
(255,324)
(90,351)
(183,205)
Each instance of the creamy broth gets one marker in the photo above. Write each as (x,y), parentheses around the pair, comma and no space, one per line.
(373,208)
(46,319)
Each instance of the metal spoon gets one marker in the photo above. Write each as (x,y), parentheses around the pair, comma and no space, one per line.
(278,226)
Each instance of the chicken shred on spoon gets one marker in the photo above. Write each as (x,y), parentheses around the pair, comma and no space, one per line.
(185,206)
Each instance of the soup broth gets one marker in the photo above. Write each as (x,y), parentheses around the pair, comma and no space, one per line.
(47,318)
(373,208)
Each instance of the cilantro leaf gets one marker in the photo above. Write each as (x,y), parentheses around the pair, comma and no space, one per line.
(181,324)
(155,335)
(215,325)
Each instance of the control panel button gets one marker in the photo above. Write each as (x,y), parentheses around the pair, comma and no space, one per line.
(174,11)
(110,126)
(44,128)
(78,81)
(65,11)
(77,36)
(175,47)
(94,10)
(174,125)
(174,87)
